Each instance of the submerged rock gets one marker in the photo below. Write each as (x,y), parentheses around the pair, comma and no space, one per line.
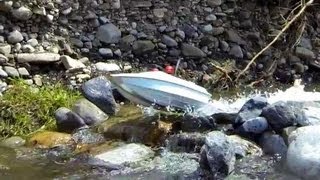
(89,112)
(303,156)
(67,120)
(98,90)
(126,154)
(192,123)
(251,109)
(218,154)
(87,136)
(13,142)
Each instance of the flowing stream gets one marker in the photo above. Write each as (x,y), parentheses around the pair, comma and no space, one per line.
(28,163)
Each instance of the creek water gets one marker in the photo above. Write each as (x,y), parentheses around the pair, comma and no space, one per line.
(28,163)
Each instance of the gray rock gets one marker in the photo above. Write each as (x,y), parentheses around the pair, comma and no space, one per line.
(37,57)
(244,147)
(304,53)
(33,42)
(76,42)
(254,125)
(214,3)
(211,17)
(107,67)
(192,51)
(127,41)
(27,48)
(207,28)
(3,59)
(251,109)
(89,112)
(3,73)
(142,46)
(224,46)
(217,31)
(236,51)
(108,33)
(311,116)
(67,120)
(70,63)
(23,72)
(303,157)
(233,36)
(98,90)
(305,43)
(22,13)
(11,71)
(126,154)
(13,142)
(117,52)
(5,49)
(218,153)
(280,115)
(273,144)
(180,34)
(15,37)
(170,42)
(105,52)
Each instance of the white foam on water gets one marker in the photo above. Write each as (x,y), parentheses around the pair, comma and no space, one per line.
(294,93)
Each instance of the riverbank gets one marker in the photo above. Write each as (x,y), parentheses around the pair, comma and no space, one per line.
(212,40)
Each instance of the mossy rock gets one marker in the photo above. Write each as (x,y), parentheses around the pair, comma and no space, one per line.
(50,139)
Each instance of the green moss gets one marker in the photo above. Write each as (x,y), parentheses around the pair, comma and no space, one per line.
(25,109)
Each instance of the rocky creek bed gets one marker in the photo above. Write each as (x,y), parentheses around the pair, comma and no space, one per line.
(264,138)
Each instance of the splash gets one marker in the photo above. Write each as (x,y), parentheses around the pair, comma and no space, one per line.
(226,105)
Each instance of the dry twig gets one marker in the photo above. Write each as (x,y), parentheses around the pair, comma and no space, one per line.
(303,8)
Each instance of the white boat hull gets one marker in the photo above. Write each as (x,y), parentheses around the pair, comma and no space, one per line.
(162,89)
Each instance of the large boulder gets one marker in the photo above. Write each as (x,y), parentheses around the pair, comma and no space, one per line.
(108,33)
(98,90)
(89,112)
(218,154)
(303,156)
(273,144)
(67,120)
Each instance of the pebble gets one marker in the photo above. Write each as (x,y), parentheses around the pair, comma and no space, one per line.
(11,71)
(15,37)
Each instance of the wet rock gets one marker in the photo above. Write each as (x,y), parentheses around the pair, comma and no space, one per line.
(217,31)
(126,154)
(192,51)
(280,115)
(107,67)
(11,71)
(218,154)
(192,123)
(185,142)
(89,112)
(304,53)
(311,116)
(253,126)
(5,49)
(98,90)
(13,142)
(70,63)
(244,147)
(3,59)
(142,46)
(15,37)
(67,120)
(303,157)
(286,133)
(273,144)
(211,17)
(236,51)
(22,13)
(49,139)
(37,57)
(167,40)
(109,34)
(251,109)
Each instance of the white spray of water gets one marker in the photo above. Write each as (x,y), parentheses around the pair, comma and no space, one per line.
(294,93)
